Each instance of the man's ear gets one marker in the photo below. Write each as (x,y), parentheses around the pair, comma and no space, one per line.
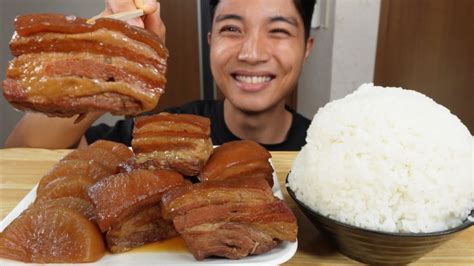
(309,47)
(209,38)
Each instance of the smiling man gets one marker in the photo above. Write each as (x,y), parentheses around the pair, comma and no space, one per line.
(257,51)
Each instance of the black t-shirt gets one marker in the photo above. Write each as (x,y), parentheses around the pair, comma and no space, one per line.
(214,110)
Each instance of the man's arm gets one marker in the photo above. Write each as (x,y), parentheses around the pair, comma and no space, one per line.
(39,131)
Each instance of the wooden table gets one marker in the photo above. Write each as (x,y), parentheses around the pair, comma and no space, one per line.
(20,170)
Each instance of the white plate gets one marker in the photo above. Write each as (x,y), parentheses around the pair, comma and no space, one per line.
(280,254)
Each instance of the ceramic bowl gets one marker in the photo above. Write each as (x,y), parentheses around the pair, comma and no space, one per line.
(375,247)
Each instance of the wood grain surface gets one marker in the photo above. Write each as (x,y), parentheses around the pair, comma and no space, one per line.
(427,46)
(20,170)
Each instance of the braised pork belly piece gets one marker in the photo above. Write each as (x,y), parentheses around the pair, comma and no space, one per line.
(236,230)
(179,142)
(120,196)
(127,207)
(146,226)
(238,159)
(64,66)
(230,218)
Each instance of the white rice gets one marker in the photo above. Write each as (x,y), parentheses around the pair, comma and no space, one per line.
(387,159)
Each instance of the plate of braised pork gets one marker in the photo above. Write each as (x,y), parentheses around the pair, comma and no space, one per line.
(171,198)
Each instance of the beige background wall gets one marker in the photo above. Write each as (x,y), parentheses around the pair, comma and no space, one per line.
(344,53)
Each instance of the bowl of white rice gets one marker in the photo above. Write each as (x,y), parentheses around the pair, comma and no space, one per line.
(386,173)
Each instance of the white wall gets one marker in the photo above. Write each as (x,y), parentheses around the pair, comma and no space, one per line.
(343,56)
(314,88)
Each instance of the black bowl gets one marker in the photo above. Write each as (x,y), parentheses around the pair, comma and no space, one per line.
(375,247)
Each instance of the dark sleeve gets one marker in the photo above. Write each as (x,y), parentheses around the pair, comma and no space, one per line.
(299,131)
(201,107)
(120,132)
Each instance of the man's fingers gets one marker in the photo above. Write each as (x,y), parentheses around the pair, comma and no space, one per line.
(136,22)
(148,6)
(154,23)
(117,6)
(151,8)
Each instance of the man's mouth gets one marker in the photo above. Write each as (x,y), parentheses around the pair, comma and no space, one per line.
(253,79)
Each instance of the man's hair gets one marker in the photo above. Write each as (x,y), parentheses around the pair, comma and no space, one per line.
(305,9)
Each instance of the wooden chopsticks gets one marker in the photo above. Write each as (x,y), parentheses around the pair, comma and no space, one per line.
(120,16)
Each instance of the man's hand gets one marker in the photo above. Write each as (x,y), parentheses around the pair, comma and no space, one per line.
(151,21)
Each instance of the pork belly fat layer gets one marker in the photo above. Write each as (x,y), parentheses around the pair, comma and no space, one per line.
(102,41)
(179,200)
(173,122)
(172,141)
(114,103)
(56,76)
(27,25)
(185,155)
(252,170)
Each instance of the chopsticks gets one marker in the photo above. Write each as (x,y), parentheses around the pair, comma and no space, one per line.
(120,16)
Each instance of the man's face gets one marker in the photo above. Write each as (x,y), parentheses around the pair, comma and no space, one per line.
(257,51)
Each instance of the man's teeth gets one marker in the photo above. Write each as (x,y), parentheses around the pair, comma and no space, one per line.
(253,79)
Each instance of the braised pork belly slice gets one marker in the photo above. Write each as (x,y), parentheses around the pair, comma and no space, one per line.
(64,66)
(143,227)
(229,218)
(179,142)
(236,230)
(179,200)
(238,159)
(120,196)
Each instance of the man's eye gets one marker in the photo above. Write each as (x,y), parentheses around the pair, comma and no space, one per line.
(229,29)
(280,32)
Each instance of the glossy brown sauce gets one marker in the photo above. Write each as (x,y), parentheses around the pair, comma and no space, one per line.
(175,244)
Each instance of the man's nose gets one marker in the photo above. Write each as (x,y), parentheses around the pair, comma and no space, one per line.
(254,49)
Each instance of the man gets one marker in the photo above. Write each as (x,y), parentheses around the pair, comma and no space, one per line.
(257,51)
